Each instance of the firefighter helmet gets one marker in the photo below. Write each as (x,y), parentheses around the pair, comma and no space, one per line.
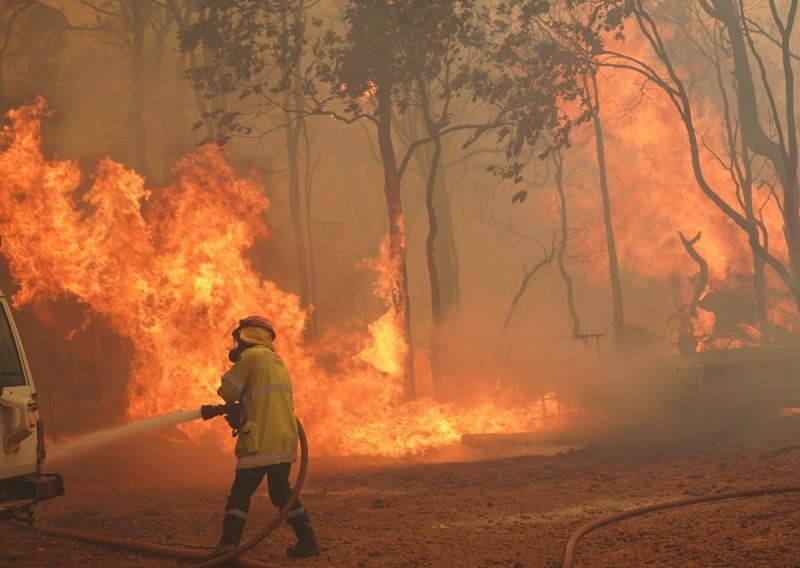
(254,321)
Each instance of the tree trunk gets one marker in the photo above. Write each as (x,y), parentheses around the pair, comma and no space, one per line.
(562,246)
(397,245)
(528,277)
(181,19)
(3,100)
(680,98)
(176,119)
(742,171)
(313,328)
(701,280)
(136,126)
(613,266)
(760,290)
(430,244)
(446,252)
(523,285)
(753,239)
(293,154)
(293,127)
(783,155)
(430,253)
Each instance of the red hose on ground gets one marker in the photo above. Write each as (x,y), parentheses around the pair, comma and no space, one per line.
(141,546)
(231,558)
(569,553)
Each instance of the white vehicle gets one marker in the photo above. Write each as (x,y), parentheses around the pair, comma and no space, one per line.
(22,482)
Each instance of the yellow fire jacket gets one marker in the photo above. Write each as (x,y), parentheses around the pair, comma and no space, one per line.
(260,380)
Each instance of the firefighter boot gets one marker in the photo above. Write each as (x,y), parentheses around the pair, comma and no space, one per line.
(306,539)
(232,528)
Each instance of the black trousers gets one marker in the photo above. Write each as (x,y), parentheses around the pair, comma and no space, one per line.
(247,481)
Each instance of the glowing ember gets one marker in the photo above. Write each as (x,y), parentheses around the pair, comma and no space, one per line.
(166,269)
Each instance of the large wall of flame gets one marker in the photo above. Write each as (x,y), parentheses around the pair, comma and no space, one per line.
(165,268)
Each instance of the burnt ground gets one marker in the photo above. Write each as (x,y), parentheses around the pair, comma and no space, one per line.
(512,512)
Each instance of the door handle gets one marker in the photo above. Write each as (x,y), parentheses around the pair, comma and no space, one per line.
(27,422)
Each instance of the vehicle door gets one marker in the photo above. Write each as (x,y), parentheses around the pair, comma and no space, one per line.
(18,410)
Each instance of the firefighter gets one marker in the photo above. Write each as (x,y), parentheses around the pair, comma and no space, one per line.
(267,439)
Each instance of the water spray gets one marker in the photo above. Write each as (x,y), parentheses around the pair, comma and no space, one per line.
(231,411)
(96,439)
(232,558)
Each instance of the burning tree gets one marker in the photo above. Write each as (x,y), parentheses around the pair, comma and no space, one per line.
(733,27)
(550,46)
(192,234)
(256,50)
(389,57)
(174,294)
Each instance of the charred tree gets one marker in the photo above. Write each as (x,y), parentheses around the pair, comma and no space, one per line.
(363,71)
(446,251)
(430,242)
(445,246)
(783,153)
(313,326)
(397,51)
(685,342)
(558,161)
(740,166)
(397,239)
(256,49)
(529,276)
(593,104)
(136,122)
(292,34)
(673,86)
(701,280)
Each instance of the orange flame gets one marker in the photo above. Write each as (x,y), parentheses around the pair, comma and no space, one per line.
(654,193)
(386,349)
(165,268)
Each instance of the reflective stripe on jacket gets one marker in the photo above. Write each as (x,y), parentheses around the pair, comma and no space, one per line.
(260,380)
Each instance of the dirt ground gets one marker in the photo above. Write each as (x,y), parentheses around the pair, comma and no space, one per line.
(510,511)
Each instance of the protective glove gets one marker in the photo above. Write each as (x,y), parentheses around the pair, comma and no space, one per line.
(235,418)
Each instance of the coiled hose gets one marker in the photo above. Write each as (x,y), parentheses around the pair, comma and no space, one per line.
(569,553)
(231,558)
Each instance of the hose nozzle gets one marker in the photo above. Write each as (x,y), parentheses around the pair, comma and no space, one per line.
(209,411)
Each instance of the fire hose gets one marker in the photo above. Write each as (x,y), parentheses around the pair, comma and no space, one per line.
(234,557)
(569,553)
(231,558)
